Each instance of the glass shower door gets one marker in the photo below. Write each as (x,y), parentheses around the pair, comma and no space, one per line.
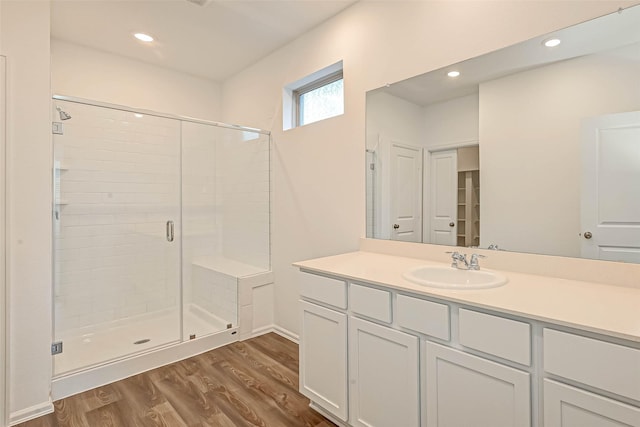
(116,220)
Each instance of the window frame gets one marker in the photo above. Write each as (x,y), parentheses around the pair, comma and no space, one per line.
(316,84)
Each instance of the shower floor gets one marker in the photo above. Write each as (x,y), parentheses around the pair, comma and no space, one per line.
(84,350)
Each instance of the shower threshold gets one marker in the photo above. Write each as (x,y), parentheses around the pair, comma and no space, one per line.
(86,349)
(73,383)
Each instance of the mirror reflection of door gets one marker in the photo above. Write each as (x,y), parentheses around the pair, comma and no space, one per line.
(443,184)
(405,197)
(452,197)
(610,203)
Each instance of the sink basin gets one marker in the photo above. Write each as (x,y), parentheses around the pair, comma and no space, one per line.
(453,278)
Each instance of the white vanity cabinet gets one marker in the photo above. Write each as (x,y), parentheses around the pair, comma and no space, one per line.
(323,344)
(600,365)
(378,356)
(384,375)
(466,390)
(566,406)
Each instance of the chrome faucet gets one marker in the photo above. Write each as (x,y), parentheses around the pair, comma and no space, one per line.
(472,264)
(458,257)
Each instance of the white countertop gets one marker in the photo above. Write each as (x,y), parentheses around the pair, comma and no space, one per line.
(605,309)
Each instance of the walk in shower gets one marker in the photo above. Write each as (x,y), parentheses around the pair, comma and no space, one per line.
(156,218)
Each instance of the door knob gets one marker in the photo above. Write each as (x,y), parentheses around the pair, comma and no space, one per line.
(451,224)
(396,226)
(587,235)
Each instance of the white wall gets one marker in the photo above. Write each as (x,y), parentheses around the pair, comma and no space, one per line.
(451,122)
(24,39)
(88,73)
(530,148)
(390,117)
(319,180)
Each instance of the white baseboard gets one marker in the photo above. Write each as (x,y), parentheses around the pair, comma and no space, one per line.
(278,330)
(30,413)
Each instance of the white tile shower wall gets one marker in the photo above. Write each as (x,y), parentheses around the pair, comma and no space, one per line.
(243,194)
(117,186)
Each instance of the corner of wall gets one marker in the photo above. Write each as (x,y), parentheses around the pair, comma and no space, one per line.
(25,35)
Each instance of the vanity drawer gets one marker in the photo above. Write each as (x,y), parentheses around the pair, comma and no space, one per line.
(324,289)
(611,367)
(370,302)
(495,335)
(426,317)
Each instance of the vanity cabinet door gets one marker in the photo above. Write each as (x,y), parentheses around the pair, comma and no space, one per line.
(323,358)
(566,406)
(465,390)
(384,376)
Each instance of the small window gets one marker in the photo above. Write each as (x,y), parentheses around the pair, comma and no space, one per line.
(316,97)
(320,100)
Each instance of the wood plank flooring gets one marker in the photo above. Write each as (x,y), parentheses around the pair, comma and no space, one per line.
(249,383)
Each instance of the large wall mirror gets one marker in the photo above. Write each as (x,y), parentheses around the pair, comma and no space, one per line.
(533,148)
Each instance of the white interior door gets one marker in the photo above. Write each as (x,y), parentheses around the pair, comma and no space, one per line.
(406,193)
(443,200)
(610,205)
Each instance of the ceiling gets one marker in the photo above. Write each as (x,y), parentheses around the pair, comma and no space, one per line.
(214,40)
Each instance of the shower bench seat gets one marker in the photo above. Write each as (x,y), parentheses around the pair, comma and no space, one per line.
(253,299)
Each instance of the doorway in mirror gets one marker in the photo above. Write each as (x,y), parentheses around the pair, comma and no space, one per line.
(468,197)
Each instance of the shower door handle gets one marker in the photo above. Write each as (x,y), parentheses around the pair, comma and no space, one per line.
(170,231)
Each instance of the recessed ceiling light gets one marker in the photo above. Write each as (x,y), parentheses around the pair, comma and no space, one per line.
(143,37)
(138,115)
(551,42)
(453,73)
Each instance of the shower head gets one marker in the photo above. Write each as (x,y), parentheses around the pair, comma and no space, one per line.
(63,114)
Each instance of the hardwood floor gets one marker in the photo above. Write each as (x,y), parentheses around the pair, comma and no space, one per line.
(250,383)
